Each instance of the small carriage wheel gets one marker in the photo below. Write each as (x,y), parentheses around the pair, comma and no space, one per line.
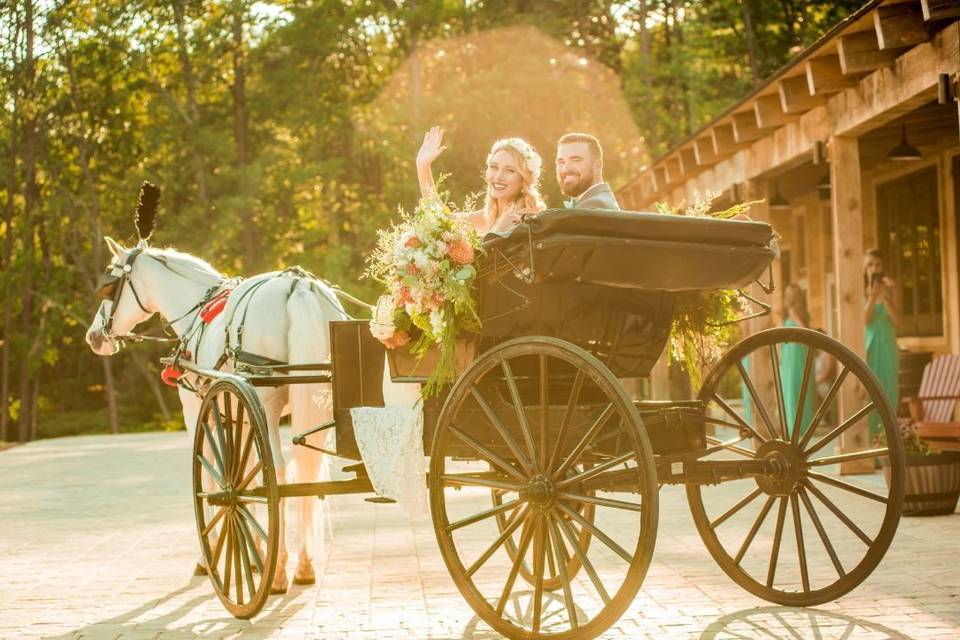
(839,527)
(235,496)
(500,413)
(553,581)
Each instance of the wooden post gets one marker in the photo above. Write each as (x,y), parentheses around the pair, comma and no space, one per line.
(816,261)
(846,202)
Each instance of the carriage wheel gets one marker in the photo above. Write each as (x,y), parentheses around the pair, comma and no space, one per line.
(578,461)
(842,513)
(235,497)
(552,581)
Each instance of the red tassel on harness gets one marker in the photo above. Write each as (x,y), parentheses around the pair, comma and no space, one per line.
(169,375)
(213,308)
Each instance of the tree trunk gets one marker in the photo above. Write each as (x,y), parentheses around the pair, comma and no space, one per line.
(8,297)
(646,64)
(240,121)
(751,42)
(107,364)
(150,377)
(684,78)
(193,114)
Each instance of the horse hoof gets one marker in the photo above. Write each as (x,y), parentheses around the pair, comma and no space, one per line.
(200,569)
(277,590)
(305,580)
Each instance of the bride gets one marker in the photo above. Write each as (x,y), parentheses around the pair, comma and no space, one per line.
(513,181)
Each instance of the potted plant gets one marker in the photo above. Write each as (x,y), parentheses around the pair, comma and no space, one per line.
(932,477)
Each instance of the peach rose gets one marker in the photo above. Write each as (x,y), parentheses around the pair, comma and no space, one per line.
(413,242)
(461,252)
(399,338)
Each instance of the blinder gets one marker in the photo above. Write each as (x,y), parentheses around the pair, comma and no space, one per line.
(110,286)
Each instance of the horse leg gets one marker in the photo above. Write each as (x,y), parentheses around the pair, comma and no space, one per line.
(279,584)
(190,405)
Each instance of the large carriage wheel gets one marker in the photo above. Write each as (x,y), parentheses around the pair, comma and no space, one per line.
(235,497)
(842,512)
(551,429)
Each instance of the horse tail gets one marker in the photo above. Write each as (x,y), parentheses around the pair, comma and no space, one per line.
(310,308)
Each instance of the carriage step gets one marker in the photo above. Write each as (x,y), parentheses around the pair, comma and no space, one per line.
(380,500)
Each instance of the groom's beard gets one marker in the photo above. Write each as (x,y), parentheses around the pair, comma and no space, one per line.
(574,189)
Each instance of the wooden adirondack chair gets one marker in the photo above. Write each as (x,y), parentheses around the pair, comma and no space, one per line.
(932,410)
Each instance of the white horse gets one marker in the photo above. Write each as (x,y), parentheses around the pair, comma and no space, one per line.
(285,322)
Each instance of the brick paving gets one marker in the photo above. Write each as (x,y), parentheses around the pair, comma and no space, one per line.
(97,541)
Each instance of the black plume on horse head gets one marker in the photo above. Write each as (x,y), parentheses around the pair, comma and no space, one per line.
(146,217)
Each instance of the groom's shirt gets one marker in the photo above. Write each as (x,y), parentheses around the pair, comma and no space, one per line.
(598,196)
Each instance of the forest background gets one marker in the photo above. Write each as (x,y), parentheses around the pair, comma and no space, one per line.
(281,135)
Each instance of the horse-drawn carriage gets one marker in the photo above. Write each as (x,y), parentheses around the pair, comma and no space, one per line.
(544,471)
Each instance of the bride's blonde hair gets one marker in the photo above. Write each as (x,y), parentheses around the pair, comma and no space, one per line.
(529,164)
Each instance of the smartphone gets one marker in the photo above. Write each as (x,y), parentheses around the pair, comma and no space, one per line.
(876,279)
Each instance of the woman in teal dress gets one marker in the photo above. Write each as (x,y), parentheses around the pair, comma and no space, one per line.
(880,314)
(793,356)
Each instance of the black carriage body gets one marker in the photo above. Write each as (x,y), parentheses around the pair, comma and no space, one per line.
(603,280)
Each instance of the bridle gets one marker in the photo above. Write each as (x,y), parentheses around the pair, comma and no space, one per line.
(110,287)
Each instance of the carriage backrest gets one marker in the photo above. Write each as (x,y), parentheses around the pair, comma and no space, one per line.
(941,378)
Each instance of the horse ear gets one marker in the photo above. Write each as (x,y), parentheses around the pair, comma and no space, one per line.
(115,248)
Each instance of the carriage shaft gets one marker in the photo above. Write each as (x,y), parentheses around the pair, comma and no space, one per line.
(319,489)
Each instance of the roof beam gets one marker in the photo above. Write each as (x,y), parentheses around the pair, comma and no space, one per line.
(795,95)
(688,161)
(673,171)
(724,141)
(860,53)
(900,25)
(745,128)
(824,76)
(705,151)
(770,113)
(940,9)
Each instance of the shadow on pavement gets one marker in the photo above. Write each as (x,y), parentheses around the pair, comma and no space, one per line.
(277,608)
(794,623)
(519,611)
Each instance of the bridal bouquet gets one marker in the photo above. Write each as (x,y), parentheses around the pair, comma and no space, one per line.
(427,264)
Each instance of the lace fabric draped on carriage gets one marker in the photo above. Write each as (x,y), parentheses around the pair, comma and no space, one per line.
(390,440)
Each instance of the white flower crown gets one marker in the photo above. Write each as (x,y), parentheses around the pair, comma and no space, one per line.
(531,159)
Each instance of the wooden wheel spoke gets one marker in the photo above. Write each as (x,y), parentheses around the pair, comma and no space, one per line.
(544,411)
(798,532)
(848,457)
(777,537)
(731,447)
(483,515)
(218,547)
(507,532)
(823,408)
(597,470)
(582,557)
(837,512)
(539,550)
(757,401)
(846,486)
(498,425)
(247,445)
(253,522)
(735,509)
(475,480)
(228,560)
(804,388)
(213,472)
(250,476)
(518,407)
(229,428)
(822,532)
(238,578)
(214,448)
(238,449)
(251,547)
(743,426)
(567,417)
(218,420)
(526,536)
(594,429)
(822,442)
(562,561)
(244,554)
(778,384)
(761,517)
(213,521)
(251,497)
(548,554)
(603,502)
(489,455)
(589,526)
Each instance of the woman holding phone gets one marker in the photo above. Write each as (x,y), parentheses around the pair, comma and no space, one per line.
(881,312)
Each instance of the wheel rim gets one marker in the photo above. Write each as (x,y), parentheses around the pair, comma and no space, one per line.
(235,498)
(830,525)
(544,480)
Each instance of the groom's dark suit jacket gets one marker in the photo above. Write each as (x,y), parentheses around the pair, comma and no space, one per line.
(599,196)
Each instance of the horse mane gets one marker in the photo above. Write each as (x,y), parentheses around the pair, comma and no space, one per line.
(186,262)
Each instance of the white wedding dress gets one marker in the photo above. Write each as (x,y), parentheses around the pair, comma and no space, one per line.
(390,440)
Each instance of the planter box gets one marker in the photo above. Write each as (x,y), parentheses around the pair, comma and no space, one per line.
(404,366)
(932,484)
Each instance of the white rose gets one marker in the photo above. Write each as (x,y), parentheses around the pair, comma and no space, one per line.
(381,324)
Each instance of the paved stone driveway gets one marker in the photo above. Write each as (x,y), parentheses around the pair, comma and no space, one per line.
(97,541)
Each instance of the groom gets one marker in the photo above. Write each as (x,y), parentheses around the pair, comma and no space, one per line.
(580,172)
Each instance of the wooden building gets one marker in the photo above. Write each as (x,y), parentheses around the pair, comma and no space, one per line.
(853,144)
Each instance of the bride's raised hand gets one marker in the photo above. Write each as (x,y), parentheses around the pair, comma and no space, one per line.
(431,148)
